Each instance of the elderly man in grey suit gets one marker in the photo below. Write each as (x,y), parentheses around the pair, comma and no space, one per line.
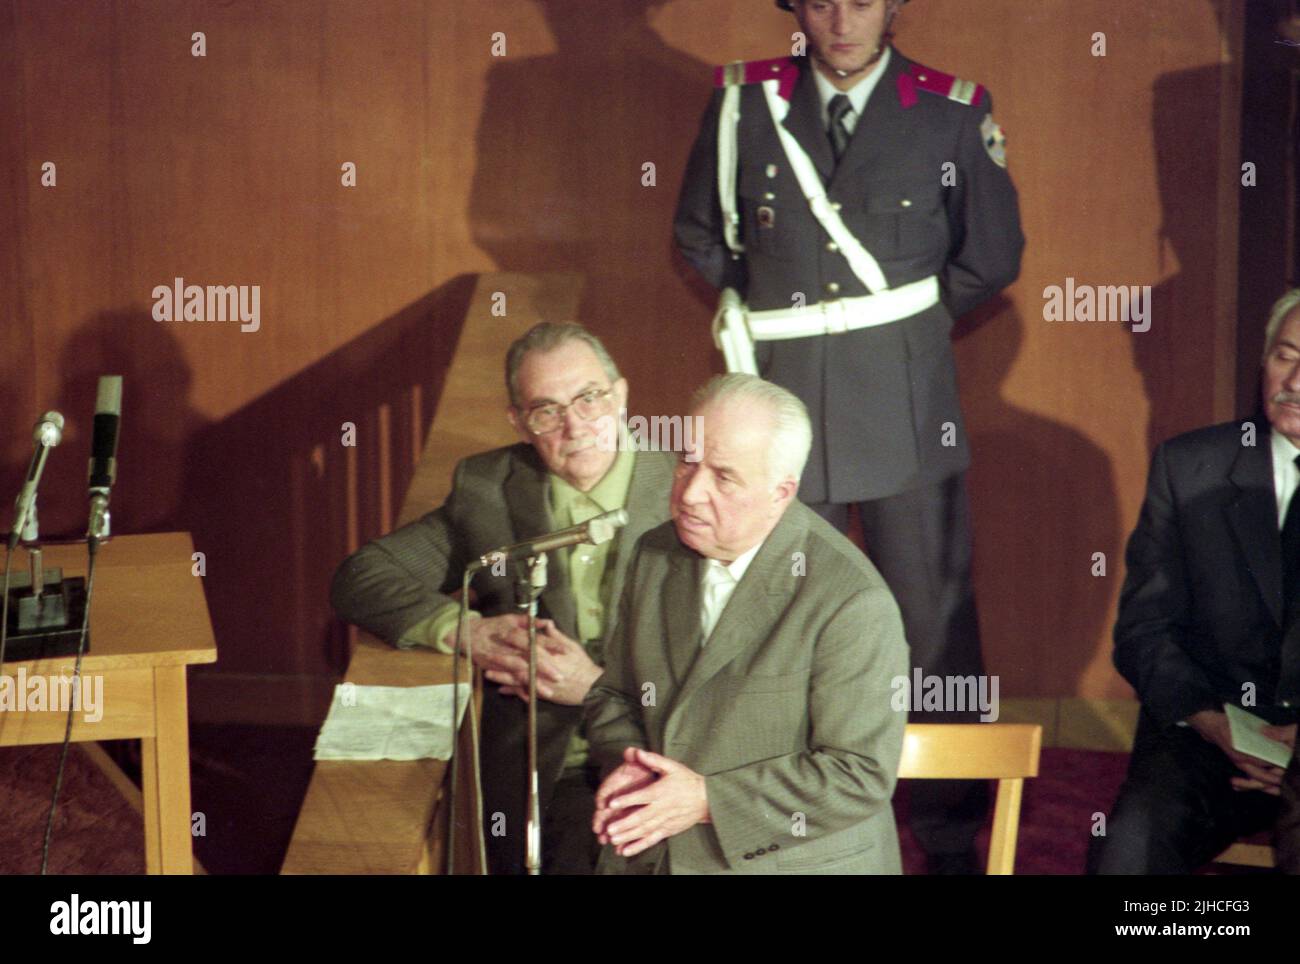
(565,392)
(744,715)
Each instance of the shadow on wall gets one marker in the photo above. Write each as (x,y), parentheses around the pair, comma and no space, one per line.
(1172,356)
(273,492)
(266,490)
(1034,568)
(157,422)
(562,144)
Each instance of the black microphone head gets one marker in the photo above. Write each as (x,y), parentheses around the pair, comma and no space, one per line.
(103,446)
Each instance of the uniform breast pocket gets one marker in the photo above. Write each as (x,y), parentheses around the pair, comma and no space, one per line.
(904,219)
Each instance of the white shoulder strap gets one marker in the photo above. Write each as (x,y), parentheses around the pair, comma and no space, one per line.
(728,156)
(860,260)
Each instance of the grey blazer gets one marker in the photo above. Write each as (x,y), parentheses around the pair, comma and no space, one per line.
(497,498)
(786,711)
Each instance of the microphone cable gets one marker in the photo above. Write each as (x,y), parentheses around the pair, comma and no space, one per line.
(93,546)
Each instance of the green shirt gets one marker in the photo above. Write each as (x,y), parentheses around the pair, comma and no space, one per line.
(588,567)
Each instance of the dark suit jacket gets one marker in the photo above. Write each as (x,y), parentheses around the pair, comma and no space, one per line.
(1288,824)
(879,397)
(786,711)
(1201,611)
(498,498)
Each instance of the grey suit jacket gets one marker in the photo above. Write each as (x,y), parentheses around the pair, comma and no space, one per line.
(880,398)
(786,710)
(497,498)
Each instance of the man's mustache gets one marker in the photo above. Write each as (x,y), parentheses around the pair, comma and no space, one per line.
(1286,398)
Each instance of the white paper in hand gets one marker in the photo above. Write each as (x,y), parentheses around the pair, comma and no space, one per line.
(1247,738)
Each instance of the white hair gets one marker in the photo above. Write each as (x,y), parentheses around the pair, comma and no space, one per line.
(791,428)
(1288,303)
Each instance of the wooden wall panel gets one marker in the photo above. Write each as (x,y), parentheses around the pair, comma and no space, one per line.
(225,169)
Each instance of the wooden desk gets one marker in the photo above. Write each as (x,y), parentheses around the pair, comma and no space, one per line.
(382,816)
(148,621)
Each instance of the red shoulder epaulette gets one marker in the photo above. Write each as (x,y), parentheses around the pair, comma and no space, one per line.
(742,72)
(916,77)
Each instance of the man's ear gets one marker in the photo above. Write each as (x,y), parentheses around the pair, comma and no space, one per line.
(785,492)
(517,423)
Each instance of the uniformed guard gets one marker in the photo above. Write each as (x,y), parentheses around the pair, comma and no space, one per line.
(849,204)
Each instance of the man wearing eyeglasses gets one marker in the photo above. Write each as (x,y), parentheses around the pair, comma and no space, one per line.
(564,391)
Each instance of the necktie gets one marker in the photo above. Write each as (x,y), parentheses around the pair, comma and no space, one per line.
(1291,558)
(838,109)
(718,584)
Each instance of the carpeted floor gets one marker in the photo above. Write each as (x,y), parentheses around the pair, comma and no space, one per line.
(249,783)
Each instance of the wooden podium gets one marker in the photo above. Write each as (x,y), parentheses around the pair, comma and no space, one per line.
(148,621)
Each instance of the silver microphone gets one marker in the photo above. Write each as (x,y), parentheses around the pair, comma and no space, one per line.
(592,532)
(47,434)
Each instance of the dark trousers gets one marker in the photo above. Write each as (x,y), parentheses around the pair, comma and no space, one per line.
(568,844)
(1176,810)
(920,541)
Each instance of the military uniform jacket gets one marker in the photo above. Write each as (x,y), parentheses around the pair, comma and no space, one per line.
(498,498)
(923,186)
(786,710)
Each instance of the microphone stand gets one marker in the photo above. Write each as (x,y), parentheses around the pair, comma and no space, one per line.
(464,640)
(595,531)
(529,591)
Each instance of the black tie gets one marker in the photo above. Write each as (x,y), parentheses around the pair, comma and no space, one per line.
(1291,557)
(839,108)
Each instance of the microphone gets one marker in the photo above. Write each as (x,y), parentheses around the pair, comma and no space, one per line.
(593,532)
(47,434)
(103,454)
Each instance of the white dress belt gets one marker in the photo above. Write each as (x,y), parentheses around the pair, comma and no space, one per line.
(735,329)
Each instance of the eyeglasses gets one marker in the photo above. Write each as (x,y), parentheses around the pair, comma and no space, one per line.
(589,405)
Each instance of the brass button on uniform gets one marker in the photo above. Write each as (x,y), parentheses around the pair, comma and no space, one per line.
(832,247)
(906,203)
(769,196)
(836,205)
(833,287)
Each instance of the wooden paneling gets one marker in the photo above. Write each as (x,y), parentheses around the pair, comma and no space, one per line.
(225,169)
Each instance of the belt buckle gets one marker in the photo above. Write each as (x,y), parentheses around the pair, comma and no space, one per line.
(835,317)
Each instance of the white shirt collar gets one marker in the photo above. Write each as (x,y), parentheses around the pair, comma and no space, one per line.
(740,564)
(1286,475)
(858,93)
(1283,448)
